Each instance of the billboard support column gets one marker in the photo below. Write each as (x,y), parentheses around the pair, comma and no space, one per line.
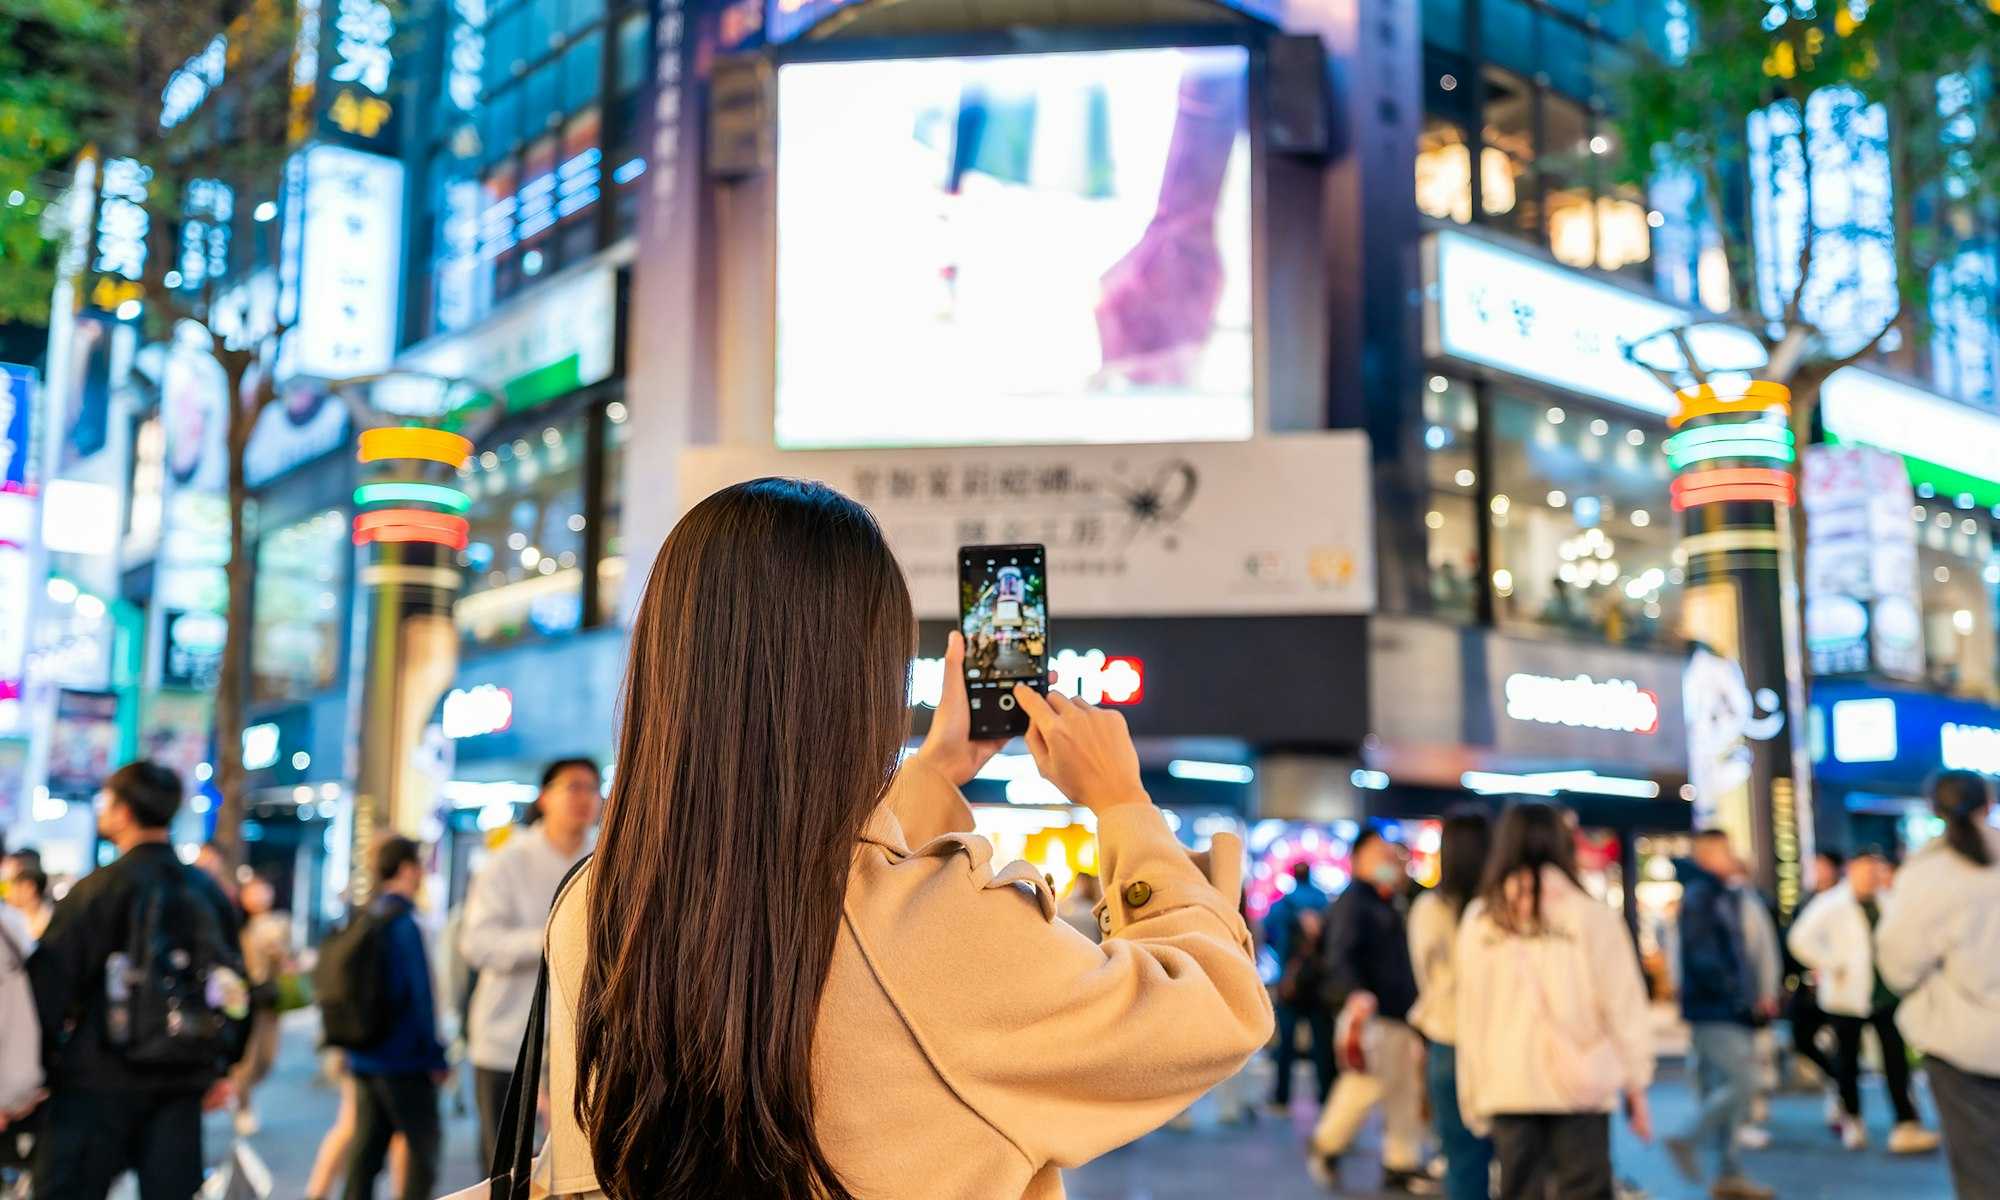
(416,525)
(1732,455)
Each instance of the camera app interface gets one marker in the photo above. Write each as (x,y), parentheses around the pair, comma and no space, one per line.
(1003,599)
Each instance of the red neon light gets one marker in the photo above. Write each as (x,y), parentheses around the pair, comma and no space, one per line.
(404,533)
(1716,486)
(1138,669)
(411,525)
(390,518)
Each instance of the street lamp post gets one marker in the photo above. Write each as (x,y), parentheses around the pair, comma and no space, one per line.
(415,522)
(1733,454)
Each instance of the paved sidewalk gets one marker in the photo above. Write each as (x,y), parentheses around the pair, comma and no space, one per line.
(1224,1162)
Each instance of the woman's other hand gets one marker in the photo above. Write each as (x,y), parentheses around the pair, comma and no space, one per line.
(1084,750)
(948,748)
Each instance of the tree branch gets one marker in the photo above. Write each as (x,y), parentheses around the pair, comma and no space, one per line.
(1795,305)
(1694,367)
(1743,289)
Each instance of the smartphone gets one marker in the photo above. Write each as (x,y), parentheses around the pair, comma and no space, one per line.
(1003,611)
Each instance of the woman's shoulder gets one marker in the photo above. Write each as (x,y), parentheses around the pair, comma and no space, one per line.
(949,886)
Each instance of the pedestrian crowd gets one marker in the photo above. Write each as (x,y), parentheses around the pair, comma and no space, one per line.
(775,962)
(1500,1018)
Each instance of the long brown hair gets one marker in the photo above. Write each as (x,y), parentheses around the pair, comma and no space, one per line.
(1530,836)
(764,706)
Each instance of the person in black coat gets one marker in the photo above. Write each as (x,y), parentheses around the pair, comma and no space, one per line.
(1367,977)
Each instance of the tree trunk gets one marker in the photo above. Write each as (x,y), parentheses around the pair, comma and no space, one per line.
(229,690)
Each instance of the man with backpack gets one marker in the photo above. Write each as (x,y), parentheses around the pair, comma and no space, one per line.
(1292,931)
(139,987)
(398,1071)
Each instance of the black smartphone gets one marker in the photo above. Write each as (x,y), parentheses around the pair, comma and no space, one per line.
(1003,611)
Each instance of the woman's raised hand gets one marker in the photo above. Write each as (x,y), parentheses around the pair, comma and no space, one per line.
(1085,751)
(949,747)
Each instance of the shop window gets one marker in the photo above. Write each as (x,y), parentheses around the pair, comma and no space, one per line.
(1451,518)
(1565,166)
(583,71)
(1584,540)
(525,558)
(1444,172)
(1957,576)
(1444,23)
(1508,130)
(611,544)
(295,631)
(1565,57)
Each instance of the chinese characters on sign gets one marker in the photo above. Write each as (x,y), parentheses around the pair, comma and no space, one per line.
(359,68)
(122,220)
(1130,530)
(205,233)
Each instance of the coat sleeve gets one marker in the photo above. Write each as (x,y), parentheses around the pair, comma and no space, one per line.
(1474,1017)
(1339,976)
(1913,936)
(1760,943)
(1066,1048)
(62,962)
(1623,1007)
(495,935)
(1810,932)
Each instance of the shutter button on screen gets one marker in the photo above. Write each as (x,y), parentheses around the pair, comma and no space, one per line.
(1007,701)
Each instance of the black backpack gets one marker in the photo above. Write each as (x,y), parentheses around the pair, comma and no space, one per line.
(349,985)
(176,995)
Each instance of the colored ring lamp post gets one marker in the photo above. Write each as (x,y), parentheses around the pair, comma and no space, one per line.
(1732,445)
(383,512)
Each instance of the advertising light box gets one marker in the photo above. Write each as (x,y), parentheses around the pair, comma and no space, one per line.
(1041,248)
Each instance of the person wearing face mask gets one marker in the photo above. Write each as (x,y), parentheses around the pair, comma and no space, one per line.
(1369,980)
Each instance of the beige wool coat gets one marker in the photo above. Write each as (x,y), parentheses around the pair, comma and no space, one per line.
(970,1045)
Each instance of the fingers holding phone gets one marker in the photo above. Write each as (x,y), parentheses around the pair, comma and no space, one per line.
(1085,751)
(950,746)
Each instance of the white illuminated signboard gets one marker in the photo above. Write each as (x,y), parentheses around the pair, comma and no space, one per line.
(477,711)
(1864,731)
(349,276)
(1618,705)
(1522,314)
(1969,747)
(79,517)
(1949,445)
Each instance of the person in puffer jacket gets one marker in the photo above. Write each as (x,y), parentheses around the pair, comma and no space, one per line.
(1939,947)
(1553,1030)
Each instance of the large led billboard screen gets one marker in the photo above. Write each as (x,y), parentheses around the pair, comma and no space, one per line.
(1014,249)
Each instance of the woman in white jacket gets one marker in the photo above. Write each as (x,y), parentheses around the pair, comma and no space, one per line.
(1552,1016)
(1834,936)
(1940,948)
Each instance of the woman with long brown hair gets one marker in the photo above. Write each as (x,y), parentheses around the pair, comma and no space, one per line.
(1553,1027)
(792,972)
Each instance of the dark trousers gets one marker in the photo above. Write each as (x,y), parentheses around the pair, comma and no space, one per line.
(384,1106)
(1969,1113)
(489,1089)
(89,1139)
(1895,1062)
(1543,1155)
(1808,1018)
(1320,1028)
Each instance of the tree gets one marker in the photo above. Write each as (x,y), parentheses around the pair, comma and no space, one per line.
(38,134)
(201,99)
(1866,132)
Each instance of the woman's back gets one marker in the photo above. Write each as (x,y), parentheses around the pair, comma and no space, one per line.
(968,1044)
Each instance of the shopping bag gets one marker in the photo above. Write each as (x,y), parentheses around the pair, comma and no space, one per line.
(245,1176)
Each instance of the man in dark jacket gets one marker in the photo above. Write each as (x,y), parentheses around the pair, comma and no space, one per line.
(1291,930)
(106,1115)
(1722,1000)
(1369,980)
(396,1080)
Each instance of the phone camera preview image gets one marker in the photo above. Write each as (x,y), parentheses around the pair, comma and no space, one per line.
(1004,615)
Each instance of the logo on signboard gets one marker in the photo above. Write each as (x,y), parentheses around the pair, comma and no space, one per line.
(475,712)
(1617,705)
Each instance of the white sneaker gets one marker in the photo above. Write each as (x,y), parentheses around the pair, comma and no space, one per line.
(1908,1137)
(1754,1137)
(246,1122)
(1833,1112)
(1853,1134)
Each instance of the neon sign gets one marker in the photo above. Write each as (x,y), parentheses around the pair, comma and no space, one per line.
(1617,705)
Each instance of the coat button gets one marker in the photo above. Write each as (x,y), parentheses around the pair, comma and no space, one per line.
(1137,894)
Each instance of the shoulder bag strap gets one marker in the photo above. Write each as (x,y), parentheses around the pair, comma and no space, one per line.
(512,1168)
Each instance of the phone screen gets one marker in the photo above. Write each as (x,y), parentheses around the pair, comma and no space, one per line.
(1003,605)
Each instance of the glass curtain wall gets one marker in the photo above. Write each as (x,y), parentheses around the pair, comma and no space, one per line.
(1520,88)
